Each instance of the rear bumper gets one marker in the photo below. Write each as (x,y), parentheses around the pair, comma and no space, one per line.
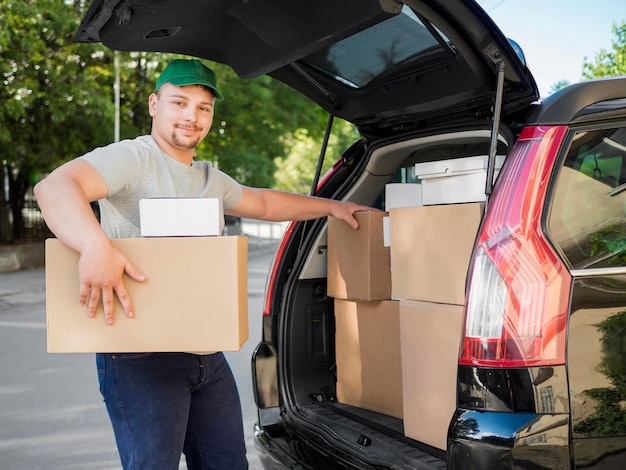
(271,457)
(499,440)
(282,450)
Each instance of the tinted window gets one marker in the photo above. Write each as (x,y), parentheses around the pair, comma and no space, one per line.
(359,59)
(587,217)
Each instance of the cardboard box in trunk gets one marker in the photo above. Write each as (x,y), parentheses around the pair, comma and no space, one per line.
(430,335)
(358,261)
(367,346)
(431,247)
(194,298)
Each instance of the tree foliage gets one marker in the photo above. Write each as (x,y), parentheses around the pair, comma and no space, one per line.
(296,171)
(50,100)
(610,62)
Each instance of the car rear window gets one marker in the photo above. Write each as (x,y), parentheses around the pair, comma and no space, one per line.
(587,218)
(359,59)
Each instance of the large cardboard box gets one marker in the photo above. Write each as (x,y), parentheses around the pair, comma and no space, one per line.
(194,298)
(358,261)
(430,335)
(431,248)
(367,348)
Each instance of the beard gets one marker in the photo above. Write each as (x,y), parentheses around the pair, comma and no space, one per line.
(185,142)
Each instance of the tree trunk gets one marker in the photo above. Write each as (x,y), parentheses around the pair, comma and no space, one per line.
(18,185)
(5,221)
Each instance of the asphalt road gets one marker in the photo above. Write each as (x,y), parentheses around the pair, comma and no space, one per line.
(51,413)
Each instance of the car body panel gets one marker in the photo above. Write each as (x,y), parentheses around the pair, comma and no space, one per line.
(596,359)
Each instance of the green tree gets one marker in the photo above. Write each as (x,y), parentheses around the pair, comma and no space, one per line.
(609,62)
(50,101)
(296,171)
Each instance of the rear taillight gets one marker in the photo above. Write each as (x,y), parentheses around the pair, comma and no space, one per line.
(518,289)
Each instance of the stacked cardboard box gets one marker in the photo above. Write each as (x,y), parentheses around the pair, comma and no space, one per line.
(369,368)
(358,261)
(429,254)
(430,251)
(193,300)
(367,338)
(431,248)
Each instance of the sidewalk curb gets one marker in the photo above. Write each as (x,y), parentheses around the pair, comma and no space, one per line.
(18,256)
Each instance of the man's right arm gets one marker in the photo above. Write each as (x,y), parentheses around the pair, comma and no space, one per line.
(64,199)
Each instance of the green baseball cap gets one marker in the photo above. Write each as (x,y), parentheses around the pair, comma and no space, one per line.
(181,72)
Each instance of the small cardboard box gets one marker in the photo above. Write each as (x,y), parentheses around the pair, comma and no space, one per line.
(358,261)
(431,248)
(367,348)
(193,300)
(179,217)
(429,338)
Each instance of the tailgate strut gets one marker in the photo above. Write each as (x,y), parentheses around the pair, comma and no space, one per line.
(495,130)
(320,160)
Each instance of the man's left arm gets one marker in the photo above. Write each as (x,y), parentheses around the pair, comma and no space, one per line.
(279,206)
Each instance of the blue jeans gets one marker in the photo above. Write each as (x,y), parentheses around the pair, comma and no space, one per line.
(165,404)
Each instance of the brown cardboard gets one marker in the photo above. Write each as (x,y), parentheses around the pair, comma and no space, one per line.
(358,261)
(430,335)
(367,347)
(194,298)
(431,248)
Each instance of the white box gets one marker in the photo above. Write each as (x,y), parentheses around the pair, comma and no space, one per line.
(179,217)
(386,232)
(455,181)
(402,195)
(455,166)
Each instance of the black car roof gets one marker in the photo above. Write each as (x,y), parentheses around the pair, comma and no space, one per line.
(367,61)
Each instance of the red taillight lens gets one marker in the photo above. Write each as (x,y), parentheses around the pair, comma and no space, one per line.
(517,304)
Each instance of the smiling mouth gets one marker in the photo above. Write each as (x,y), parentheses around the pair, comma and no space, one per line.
(188,128)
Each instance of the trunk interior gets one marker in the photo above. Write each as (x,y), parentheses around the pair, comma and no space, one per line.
(312,341)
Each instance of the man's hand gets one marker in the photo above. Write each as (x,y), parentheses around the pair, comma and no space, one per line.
(101,270)
(345,210)
(274,205)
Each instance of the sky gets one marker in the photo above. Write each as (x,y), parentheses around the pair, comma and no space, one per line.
(557,35)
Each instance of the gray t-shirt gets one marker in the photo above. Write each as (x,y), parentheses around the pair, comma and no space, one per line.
(138,169)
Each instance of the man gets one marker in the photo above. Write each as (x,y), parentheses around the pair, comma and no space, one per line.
(162,404)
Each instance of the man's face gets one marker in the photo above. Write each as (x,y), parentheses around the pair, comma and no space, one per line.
(182,116)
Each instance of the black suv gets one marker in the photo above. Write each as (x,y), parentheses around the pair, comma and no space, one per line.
(499,337)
